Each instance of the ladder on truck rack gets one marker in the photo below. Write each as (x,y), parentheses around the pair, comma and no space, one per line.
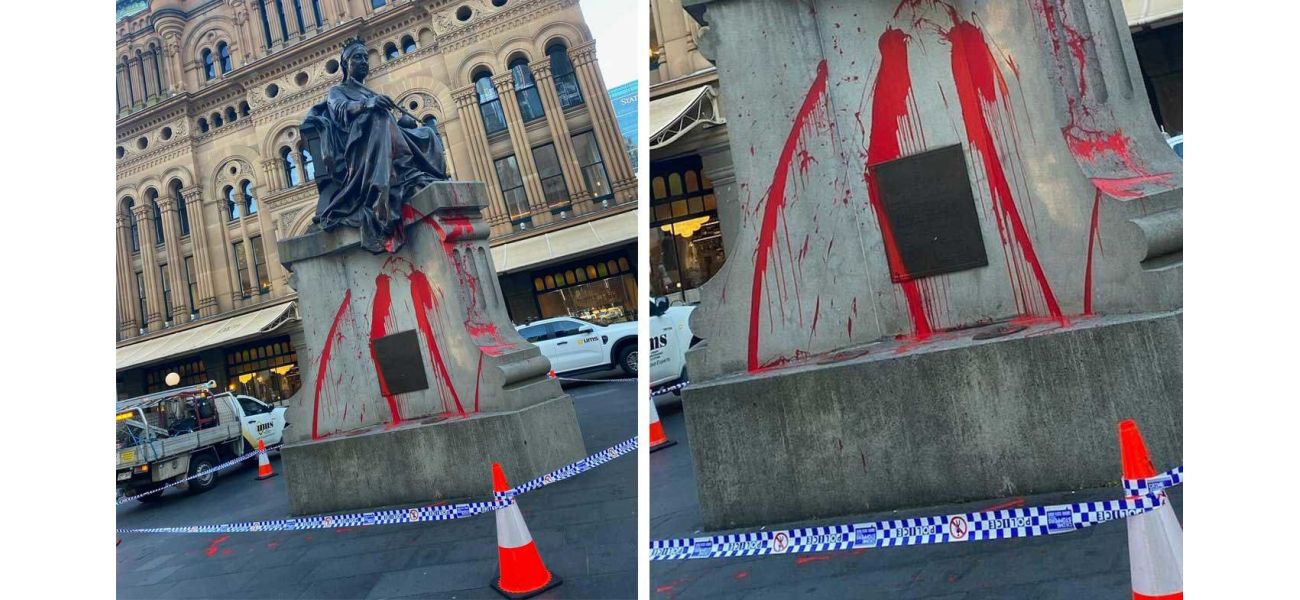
(140,401)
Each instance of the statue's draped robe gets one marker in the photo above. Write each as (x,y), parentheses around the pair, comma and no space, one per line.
(373,166)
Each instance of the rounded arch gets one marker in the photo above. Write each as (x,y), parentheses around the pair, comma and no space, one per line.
(196,35)
(282,131)
(178,173)
(481,59)
(221,176)
(429,101)
(148,183)
(512,47)
(301,223)
(567,33)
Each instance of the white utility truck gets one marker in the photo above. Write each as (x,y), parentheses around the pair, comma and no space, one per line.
(670,337)
(168,435)
(575,346)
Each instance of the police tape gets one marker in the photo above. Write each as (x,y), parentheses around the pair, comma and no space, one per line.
(442,512)
(961,527)
(224,465)
(1151,485)
(669,389)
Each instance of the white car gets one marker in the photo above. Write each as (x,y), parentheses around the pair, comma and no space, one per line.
(574,345)
(1176,143)
(670,337)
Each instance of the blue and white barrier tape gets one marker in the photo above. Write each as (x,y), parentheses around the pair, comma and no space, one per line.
(229,463)
(1151,485)
(444,512)
(669,389)
(581,466)
(962,527)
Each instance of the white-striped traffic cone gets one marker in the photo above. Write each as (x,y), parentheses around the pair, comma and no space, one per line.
(1155,539)
(263,463)
(522,574)
(658,440)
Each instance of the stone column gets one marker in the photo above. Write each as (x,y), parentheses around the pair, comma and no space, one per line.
(505,86)
(480,159)
(137,92)
(123,98)
(207,299)
(617,163)
(297,161)
(274,174)
(128,322)
(243,32)
(175,259)
(172,50)
(149,66)
(137,71)
(153,287)
(559,131)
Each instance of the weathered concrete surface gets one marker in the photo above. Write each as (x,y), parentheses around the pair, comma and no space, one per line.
(950,420)
(1079,199)
(487,388)
(421,463)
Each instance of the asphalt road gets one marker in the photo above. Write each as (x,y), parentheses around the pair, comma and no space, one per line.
(1089,564)
(585,529)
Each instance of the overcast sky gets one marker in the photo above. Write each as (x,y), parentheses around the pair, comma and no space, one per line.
(614,25)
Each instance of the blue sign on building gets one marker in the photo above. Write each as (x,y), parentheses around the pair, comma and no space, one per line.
(625,112)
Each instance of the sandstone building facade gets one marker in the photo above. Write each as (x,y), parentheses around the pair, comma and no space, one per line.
(211,171)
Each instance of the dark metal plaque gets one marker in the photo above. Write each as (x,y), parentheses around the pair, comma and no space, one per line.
(400,362)
(931,210)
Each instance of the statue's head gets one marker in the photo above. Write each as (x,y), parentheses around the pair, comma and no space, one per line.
(354,60)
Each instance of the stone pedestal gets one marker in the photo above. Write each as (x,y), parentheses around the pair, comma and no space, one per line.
(915,169)
(414,381)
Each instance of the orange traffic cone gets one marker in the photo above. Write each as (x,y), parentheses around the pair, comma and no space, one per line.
(263,463)
(658,440)
(1155,539)
(522,573)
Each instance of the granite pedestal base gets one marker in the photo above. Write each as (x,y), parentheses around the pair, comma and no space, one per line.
(905,424)
(422,462)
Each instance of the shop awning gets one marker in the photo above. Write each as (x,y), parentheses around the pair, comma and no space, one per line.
(672,117)
(189,341)
(1142,12)
(566,243)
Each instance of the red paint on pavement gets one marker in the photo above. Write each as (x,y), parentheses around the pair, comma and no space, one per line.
(1013,503)
(213,546)
(803,560)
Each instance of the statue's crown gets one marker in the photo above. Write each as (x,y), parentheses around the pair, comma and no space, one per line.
(353,41)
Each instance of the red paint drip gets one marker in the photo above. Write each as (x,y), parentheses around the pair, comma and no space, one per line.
(892,123)
(379,324)
(478,378)
(803,560)
(776,201)
(325,360)
(213,547)
(1087,271)
(982,92)
(1127,188)
(422,296)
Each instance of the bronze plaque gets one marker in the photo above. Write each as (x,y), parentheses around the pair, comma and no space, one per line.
(928,201)
(400,362)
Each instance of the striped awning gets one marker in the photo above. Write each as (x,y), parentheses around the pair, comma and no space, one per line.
(208,335)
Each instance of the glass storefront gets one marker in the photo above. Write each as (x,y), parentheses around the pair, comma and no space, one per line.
(266,370)
(191,371)
(600,289)
(685,234)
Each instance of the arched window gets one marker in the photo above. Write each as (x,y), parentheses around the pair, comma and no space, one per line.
(216,120)
(566,81)
(290,169)
(232,208)
(203,125)
(530,102)
(157,68)
(230,114)
(243,109)
(223,53)
(489,104)
(250,201)
(130,87)
(151,197)
(129,206)
(308,165)
(209,69)
(390,51)
(182,212)
(408,44)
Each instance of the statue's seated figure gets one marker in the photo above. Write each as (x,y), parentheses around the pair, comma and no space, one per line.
(369,163)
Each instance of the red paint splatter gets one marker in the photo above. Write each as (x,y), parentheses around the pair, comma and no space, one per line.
(1093,238)
(982,93)
(422,296)
(380,322)
(1013,503)
(213,546)
(810,113)
(323,363)
(478,378)
(272,545)
(741,575)
(811,558)
(895,122)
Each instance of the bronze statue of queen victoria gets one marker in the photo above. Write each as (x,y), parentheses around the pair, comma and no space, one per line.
(370,161)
